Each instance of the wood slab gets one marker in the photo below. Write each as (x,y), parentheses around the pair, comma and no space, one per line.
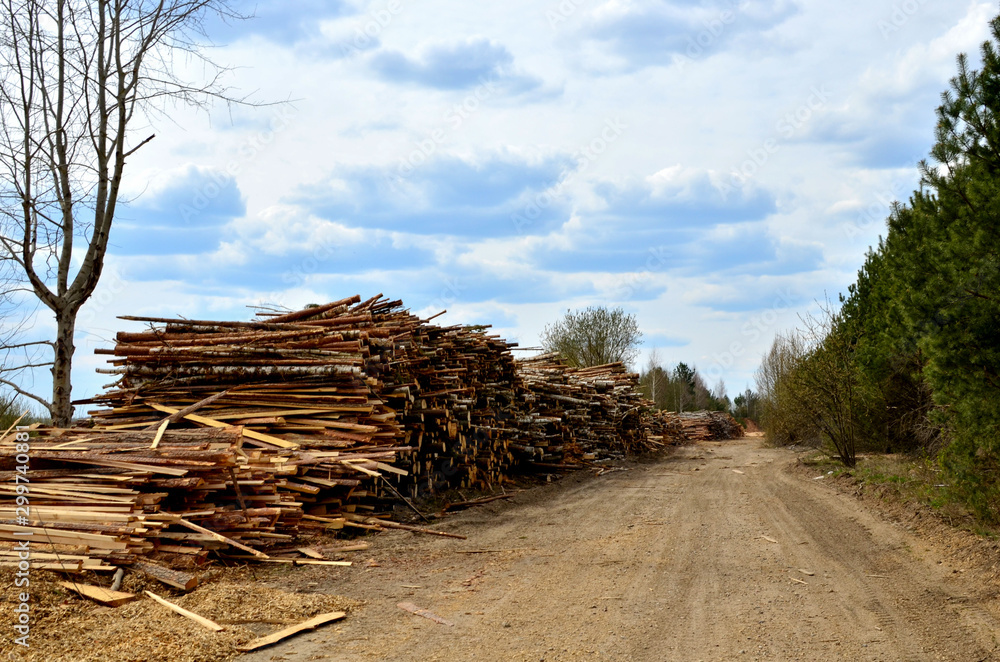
(311,624)
(100,594)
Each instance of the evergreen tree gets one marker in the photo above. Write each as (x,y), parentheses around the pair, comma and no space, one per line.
(943,248)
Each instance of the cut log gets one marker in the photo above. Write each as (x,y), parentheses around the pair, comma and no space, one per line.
(181,580)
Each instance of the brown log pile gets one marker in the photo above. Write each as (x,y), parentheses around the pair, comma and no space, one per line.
(664,426)
(246,434)
(710,426)
(572,415)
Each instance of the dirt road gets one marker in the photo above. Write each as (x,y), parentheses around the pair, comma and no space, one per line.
(721,552)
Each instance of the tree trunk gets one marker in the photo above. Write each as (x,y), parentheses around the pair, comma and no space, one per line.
(62,410)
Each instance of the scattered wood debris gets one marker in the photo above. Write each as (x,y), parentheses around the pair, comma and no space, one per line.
(418,611)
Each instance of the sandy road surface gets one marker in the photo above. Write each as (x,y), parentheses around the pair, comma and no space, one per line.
(668,560)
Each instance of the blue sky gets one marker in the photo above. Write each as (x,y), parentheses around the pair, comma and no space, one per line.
(714,167)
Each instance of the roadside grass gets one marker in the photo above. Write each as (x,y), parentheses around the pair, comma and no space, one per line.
(11,410)
(902,479)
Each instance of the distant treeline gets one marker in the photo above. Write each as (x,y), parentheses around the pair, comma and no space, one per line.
(910,360)
(682,388)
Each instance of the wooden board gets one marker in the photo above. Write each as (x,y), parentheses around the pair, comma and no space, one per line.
(99,594)
(311,624)
(200,620)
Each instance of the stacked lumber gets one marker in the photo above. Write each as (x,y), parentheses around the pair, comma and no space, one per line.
(572,415)
(246,434)
(455,390)
(663,426)
(349,375)
(108,494)
(710,426)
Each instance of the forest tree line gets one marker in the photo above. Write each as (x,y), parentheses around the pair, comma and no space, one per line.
(909,361)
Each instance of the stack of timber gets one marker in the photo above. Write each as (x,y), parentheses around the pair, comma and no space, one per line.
(576,415)
(109,499)
(710,426)
(430,406)
(455,390)
(663,426)
(246,434)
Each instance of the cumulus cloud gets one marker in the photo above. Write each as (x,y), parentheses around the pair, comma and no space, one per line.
(276,20)
(455,66)
(655,32)
(444,195)
(183,211)
(888,119)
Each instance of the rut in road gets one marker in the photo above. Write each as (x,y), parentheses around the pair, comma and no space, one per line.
(669,559)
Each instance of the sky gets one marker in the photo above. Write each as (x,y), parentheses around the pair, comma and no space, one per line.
(717,168)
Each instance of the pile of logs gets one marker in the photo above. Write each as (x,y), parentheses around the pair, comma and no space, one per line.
(117,498)
(573,415)
(663,426)
(710,426)
(245,434)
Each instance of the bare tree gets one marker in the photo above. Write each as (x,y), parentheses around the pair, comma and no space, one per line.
(654,375)
(594,336)
(76,77)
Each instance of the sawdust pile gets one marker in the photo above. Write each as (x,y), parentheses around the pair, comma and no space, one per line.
(67,628)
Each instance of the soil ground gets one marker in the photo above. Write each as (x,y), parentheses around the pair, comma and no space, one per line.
(723,551)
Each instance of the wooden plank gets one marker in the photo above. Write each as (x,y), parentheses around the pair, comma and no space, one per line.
(250,434)
(311,624)
(99,594)
(352,465)
(356,547)
(312,553)
(100,462)
(200,620)
(56,566)
(159,433)
(392,469)
(178,415)
(221,538)
(417,611)
(59,536)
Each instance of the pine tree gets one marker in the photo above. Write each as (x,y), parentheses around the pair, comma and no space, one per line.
(943,247)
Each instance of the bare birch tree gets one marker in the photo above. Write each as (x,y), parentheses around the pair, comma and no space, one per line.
(78,78)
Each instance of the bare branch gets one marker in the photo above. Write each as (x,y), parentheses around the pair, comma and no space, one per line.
(20,391)
(75,76)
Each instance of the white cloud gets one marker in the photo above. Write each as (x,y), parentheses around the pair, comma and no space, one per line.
(311,217)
